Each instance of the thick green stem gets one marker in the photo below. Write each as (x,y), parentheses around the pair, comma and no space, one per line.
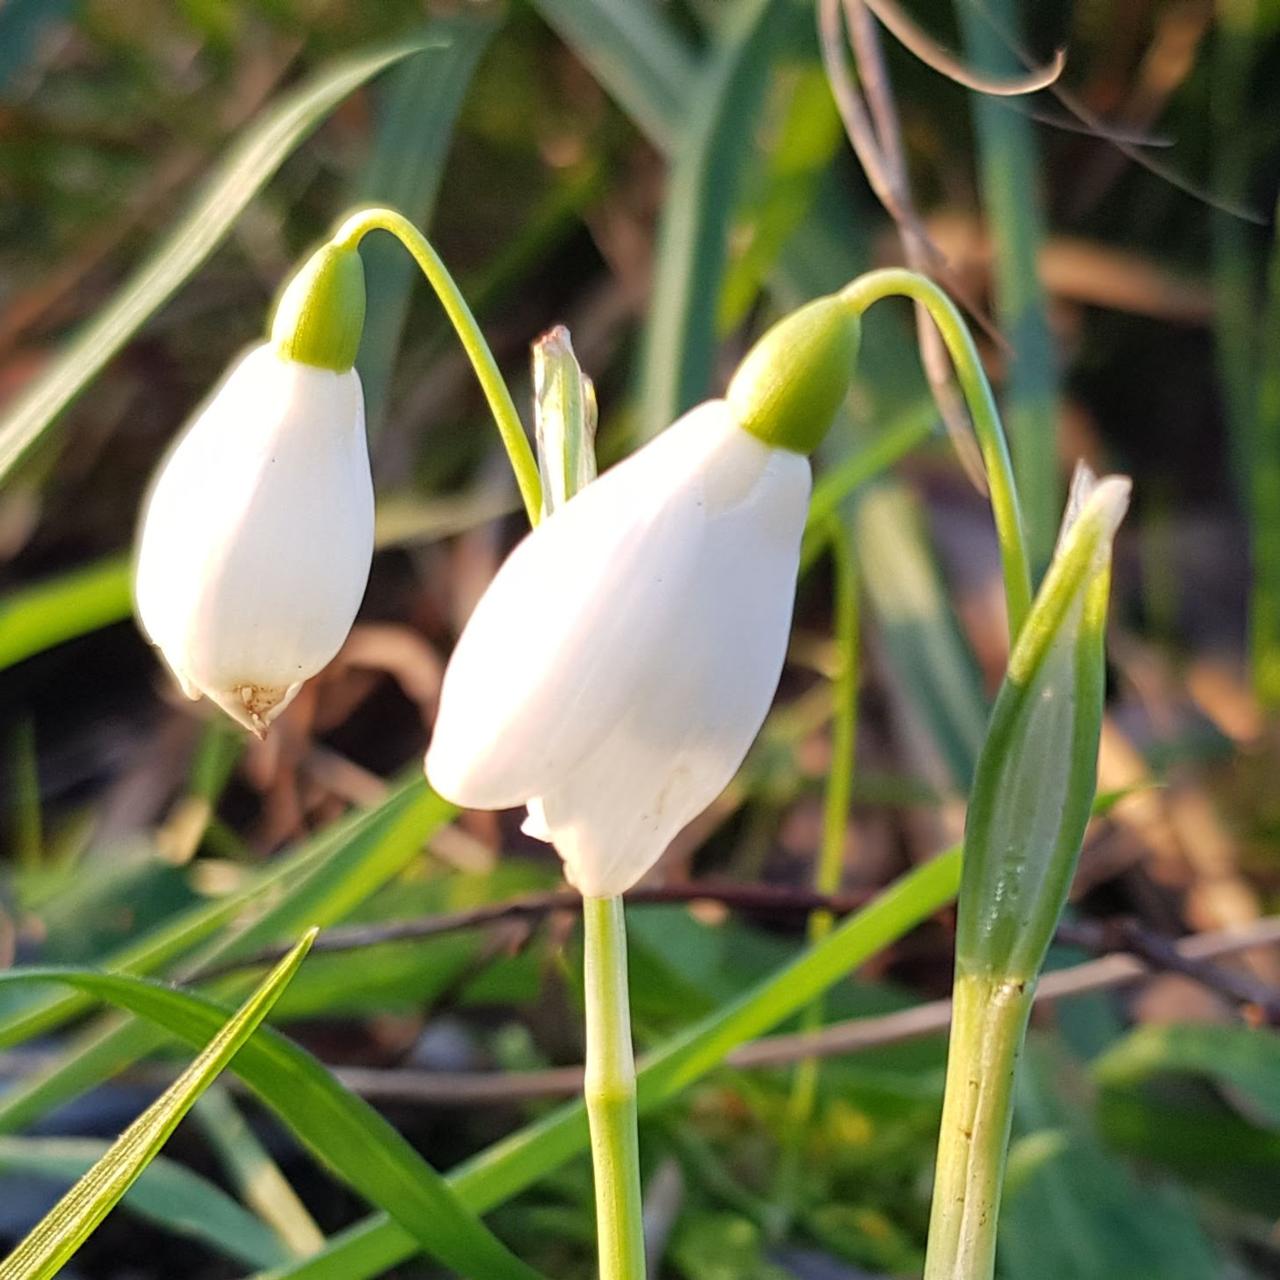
(503,408)
(610,1092)
(1014,558)
(989,1021)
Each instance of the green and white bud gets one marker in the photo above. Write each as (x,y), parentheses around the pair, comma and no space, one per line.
(790,385)
(257,532)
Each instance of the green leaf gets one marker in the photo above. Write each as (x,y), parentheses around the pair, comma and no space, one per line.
(66,1227)
(638,58)
(404,170)
(1243,1061)
(504,1170)
(330,876)
(340,1128)
(237,179)
(1034,785)
(703,187)
(1074,1212)
(167,1194)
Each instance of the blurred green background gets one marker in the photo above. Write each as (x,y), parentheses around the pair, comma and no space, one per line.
(663,176)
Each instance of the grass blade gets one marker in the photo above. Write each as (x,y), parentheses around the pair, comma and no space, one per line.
(371,1247)
(167,1194)
(404,171)
(335,876)
(242,173)
(342,1129)
(693,236)
(61,1232)
(1009,164)
(638,58)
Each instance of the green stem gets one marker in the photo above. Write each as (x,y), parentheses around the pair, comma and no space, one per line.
(351,232)
(610,1092)
(1009,172)
(1014,558)
(989,1021)
(830,862)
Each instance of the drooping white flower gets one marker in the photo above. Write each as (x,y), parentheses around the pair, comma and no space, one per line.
(621,662)
(257,533)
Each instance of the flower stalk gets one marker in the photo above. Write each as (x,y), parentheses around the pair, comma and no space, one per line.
(495,389)
(610,1091)
(1005,507)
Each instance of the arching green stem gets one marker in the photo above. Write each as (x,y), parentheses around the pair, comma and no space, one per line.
(1015,562)
(351,232)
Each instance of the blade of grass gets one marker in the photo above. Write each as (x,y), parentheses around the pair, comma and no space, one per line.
(66,1227)
(508,1167)
(1009,165)
(167,1194)
(255,1176)
(703,186)
(637,56)
(365,856)
(343,1130)
(244,170)
(404,170)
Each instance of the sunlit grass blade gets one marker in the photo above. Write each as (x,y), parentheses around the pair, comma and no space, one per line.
(167,1194)
(255,1177)
(637,56)
(693,236)
(515,1163)
(65,1228)
(343,1130)
(237,179)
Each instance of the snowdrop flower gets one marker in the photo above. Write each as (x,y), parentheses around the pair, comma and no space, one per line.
(257,533)
(618,667)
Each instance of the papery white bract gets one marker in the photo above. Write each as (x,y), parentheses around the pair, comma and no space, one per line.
(257,535)
(624,657)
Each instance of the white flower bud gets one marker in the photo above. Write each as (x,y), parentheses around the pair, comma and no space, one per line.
(257,534)
(624,657)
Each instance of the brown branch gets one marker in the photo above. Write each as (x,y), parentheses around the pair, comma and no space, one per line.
(501,1088)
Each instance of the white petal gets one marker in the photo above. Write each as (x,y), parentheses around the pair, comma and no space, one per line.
(257,535)
(626,654)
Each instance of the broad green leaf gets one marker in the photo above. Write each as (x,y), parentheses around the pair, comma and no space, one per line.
(416,121)
(66,1227)
(237,179)
(1243,1061)
(508,1167)
(637,56)
(167,1194)
(702,189)
(1074,1212)
(343,1130)
(922,639)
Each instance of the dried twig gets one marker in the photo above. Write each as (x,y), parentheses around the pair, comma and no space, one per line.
(1188,955)
(918,41)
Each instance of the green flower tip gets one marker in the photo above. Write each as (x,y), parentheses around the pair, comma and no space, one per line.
(788,388)
(320,315)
